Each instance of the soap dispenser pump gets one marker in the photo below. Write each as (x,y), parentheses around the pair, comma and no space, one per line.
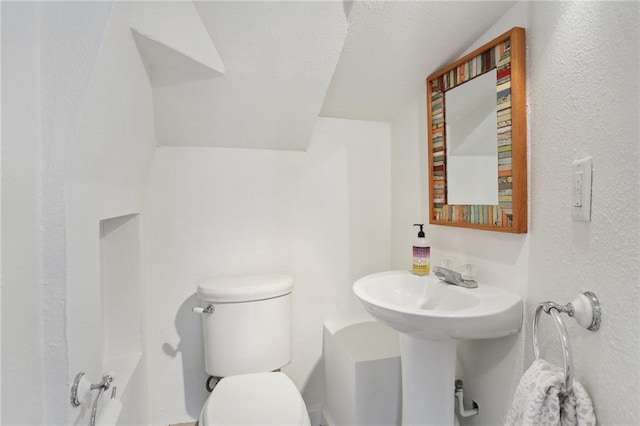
(421,254)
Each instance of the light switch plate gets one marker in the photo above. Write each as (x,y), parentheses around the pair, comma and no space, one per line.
(581,190)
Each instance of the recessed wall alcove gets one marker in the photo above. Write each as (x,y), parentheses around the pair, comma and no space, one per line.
(121,290)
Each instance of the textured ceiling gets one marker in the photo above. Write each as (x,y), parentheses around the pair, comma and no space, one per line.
(288,62)
(173,42)
(391,48)
(279,59)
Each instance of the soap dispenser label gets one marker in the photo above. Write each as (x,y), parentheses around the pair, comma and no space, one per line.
(421,264)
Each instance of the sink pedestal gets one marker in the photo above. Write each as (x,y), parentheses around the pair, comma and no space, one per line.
(428,376)
(431,316)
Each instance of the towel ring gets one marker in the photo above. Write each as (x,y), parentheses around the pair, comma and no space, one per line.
(552,309)
(585,308)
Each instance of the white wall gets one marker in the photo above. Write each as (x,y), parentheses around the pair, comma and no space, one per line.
(408,181)
(70,119)
(22,355)
(321,216)
(0,223)
(106,177)
(582,102)
(70,37)
(584,86)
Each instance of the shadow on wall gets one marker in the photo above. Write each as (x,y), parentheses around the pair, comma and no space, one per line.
(313,390)
(191,346)
(346,6)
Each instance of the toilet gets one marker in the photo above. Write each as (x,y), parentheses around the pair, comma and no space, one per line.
(246,324)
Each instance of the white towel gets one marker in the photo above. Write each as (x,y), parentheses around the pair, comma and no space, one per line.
(538,400)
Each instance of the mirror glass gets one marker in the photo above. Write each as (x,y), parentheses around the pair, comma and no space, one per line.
(472,142)
(477,138)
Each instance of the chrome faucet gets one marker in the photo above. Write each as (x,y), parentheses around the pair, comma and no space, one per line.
(455,278)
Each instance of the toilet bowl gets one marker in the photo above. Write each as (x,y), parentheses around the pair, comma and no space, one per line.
(246,324)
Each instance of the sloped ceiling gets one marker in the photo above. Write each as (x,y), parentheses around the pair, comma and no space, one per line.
(174,44)
(392,46)
(286,63)
(279,59)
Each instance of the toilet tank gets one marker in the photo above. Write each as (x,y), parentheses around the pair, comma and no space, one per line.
(249,330)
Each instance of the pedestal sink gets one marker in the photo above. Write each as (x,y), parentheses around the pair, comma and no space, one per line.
(431,316)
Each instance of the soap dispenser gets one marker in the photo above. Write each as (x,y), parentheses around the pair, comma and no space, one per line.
(421,254)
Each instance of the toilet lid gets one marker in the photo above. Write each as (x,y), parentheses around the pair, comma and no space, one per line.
(255,399)
(244,288)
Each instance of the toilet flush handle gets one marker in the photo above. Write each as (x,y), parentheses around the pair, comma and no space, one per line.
(206,310)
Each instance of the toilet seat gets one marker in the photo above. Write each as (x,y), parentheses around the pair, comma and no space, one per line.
(255,399)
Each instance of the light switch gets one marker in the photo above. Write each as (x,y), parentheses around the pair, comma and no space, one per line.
(577,189)
(581,189)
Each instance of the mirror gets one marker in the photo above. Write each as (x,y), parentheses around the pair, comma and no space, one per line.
(477,138)
(472,141)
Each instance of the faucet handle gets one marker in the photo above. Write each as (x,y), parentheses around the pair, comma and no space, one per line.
(468,272)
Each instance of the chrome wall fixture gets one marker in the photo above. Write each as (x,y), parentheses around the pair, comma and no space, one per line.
(585,309)
(81,387)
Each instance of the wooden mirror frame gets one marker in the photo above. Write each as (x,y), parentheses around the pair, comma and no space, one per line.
(506,53)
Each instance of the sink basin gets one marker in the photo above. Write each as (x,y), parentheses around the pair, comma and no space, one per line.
(424,306)
(431,316)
